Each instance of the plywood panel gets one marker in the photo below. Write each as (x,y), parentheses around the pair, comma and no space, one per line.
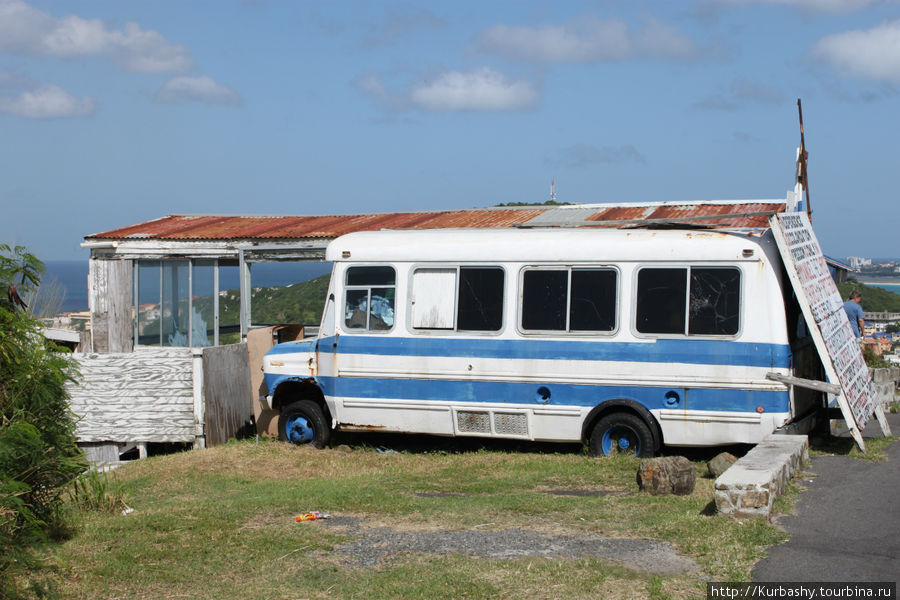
(226,392)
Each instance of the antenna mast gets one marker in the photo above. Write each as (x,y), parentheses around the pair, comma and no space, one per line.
(802,175)
(552,191)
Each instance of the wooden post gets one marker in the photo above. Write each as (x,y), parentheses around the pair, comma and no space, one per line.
(245,295)
(199,405)
(110,291)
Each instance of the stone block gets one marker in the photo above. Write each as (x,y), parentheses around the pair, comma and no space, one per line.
(749,487)
(755,499)
(720,463)
(667,475)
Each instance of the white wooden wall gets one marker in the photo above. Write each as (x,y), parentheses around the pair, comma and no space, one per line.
(162,395)
(141,396)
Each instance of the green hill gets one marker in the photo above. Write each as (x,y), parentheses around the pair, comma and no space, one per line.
(874,299)
(297,303)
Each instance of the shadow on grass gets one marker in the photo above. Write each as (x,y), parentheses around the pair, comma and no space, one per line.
(706,453)
(829,444)
(710,509)
(429,444)
(426,444)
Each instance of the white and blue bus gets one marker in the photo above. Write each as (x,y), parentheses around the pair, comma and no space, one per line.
(627,339)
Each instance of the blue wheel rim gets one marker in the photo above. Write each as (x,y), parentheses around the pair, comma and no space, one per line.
(620,439)
(299,430)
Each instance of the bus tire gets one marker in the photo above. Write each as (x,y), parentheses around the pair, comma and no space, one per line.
(621,433)
(303,423)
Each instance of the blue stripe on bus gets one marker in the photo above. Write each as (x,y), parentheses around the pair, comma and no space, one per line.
(716,399)
(701,352)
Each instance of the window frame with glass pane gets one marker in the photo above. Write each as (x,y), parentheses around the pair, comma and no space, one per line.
(646,308)
(369,283)
(437,303)
(563,299)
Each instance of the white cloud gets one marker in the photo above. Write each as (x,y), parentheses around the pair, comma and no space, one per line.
(868,54)
(203,89)
(715,102)
(753,91)
(588,40)
(740,93)
(834,6)
(47,101)
(29,31)
(585,155)
(483,90)
(403,21)
(371,85)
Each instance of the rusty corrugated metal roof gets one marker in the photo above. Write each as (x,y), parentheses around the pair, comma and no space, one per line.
(210,227)
(694,213)
(222,227)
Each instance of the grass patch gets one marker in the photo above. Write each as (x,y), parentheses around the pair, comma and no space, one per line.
(876,448)
(99,491)
(219,523)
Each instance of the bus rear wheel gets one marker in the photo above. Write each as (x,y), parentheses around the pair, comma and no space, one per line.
(303,423)
(621,433)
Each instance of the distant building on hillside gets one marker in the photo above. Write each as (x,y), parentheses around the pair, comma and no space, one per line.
(839,271)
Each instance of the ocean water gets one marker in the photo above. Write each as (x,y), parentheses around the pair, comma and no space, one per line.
(72,275)
(891,287)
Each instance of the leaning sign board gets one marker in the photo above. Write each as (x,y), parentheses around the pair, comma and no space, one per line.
(823,310)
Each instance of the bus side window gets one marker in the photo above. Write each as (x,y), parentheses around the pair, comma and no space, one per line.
(715,301)
(574,300)
(661,296)
(457,298)
(480,300)
(689,300)
(369,298)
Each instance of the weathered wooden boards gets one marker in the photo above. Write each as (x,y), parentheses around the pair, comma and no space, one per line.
(162,395)
(226,391)
(110,301)
(141,396)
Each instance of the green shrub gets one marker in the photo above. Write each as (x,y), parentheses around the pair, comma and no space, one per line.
(99,492)
(39,457)
(873,360)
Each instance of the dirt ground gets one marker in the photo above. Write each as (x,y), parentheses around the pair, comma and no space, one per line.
(374,545)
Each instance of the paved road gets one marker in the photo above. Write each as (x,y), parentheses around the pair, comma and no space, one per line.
(846,525)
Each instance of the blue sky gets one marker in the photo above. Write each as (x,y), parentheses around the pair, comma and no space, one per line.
(114,112)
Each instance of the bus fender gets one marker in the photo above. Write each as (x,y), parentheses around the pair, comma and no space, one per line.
(627,405)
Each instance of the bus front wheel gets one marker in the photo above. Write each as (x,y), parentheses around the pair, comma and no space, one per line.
(303,423)
(621,433)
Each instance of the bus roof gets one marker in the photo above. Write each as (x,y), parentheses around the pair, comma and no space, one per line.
(551,244)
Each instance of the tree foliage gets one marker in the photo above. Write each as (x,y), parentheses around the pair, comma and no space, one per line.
(298,303)
(39,456)
(20,273)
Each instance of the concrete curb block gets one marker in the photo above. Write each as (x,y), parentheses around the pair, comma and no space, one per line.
(749,487)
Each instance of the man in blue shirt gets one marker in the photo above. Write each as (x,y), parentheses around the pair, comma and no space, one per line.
(855,313)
